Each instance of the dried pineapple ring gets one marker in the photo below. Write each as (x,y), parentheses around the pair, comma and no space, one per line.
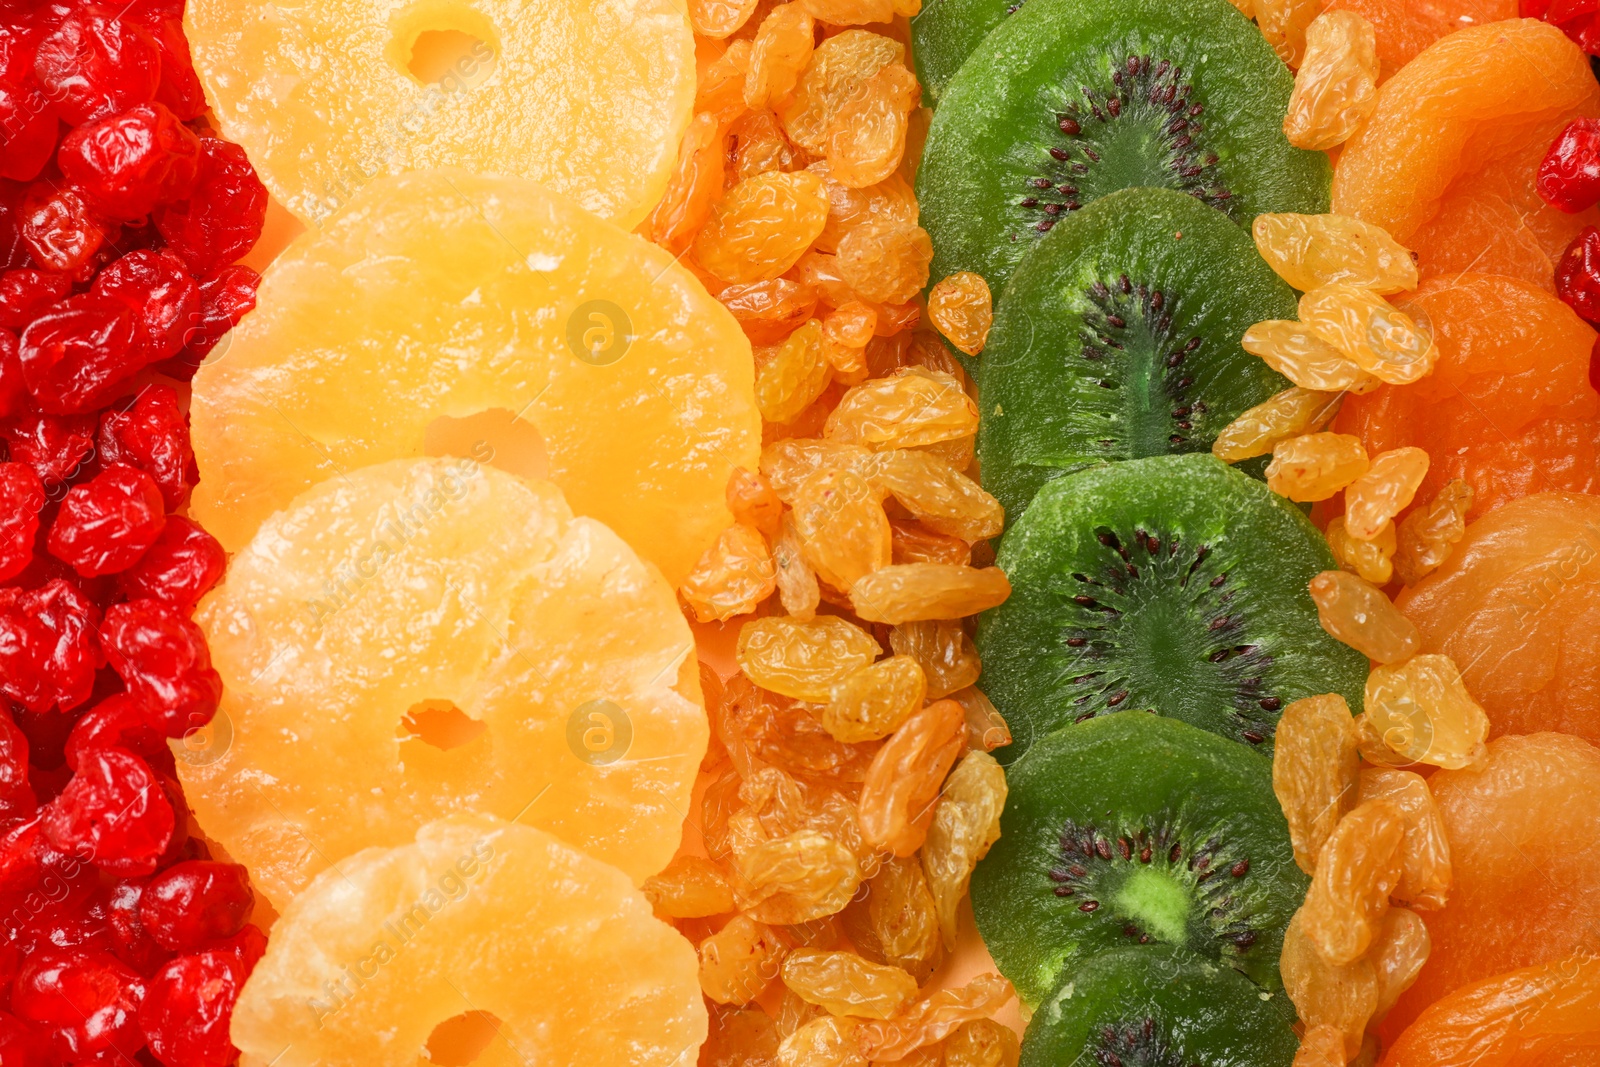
(477,916)
(589,98)
(444,294)
(378,595)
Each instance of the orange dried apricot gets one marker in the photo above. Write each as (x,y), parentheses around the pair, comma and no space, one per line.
(1404,29)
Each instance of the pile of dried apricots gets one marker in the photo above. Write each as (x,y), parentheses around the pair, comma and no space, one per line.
(810,533)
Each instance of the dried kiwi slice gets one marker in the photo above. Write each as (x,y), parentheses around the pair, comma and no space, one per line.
(1130,830)
(1159,1007)
(1173,584)
(1117,339)
(1069,100)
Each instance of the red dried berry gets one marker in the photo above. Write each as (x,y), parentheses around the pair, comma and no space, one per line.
(55,446)
(118,721)
(222,220)
(180,568)
(163,298)
(1578,274)
(185,1015)
(13,386)
(109,522)
(21,500)
(48,651)
(22,855)
(114,811)
(1569,176)
(225,298)
(97,63)
(28,123)
(116,906)
(192,903)
(152,434)
(163,660)
(23,1046)
(59,229)
(79,355)
(91,998)
(180,87)
(125,164)
(16,794)
(24,294)
(249,944)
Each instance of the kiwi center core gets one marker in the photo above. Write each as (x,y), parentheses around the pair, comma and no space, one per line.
(1151,899)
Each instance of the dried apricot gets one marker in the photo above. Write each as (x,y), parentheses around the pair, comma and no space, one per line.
(1404,29)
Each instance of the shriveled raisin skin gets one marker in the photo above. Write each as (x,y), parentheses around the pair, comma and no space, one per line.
(1315,772)
(965,824)
(896,920)
(1384,491)
(1359,614)
(1426,873)
(1336,87)
(1316,465)
(1423,711)
(876,700)
(1383,340)
(762,225)
(846,984)
(1357,869)
(1341,996)
(1289,414)
(898,798)
(804,660)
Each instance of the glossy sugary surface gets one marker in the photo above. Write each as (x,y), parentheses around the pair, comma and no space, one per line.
(1053,654)
(1063,387)
(321,96)
(1198,1012)
(441,580)
(1190,794)
(476,915)
(1515,606)
(444,294)
(999,117)
(1524,836)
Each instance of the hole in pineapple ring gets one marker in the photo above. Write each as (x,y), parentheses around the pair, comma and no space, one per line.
(441,724)
(462,1039)
(447,46)
(495,437)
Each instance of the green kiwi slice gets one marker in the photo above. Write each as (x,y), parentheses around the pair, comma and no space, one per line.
(1159,1007)
(1172,584)
(1137,830)
(1117,338)
(1069,100)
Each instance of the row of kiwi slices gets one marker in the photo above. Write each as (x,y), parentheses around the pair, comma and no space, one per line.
(1099,162)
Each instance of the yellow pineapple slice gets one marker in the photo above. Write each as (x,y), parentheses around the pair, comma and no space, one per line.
(590,98)
(430,636)
(444,294)
(555,953)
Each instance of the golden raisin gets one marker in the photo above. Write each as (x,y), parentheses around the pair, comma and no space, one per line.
(1289,414)
(1315,466)
(867,137)
(803,660)
(793,376)
(1324,994)
(756,145)
(1357,869)
(826,1042)
(796,878)
(874,701)
(846,984)
(1283,23)
(779,53)
(982,1043)
(1398,953)
(769,311)
(1423,711)
(745,1037)
(1314,772)
(837,69)
(1384,491)
(788,463)
(961,308)
(891,200)
(885,261)
(986,727)
(1336,87)
(780,731)
(796,581)
(690,887)
(933,1018)
(1383,340)
(1310,251)
(1322,1046)
(695,184)
(851,12)
(1304,358)
(1425,871)
(752,501)
(965,823)
(942,498)
(909,408)
(1371,560)
(721,89)
(897,798)
(762,225)
(1359,614)
(738,961)
(733,577)
(852,325)
(915,543)
(942,648)
(1429,534)
(844,533)
(913,592)
(896,920)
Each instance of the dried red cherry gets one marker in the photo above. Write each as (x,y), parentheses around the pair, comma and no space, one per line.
(180,568)
(114,811)
(24,294)
(116,906)
(1569,176)
(16,794)
(118,721)
(59,229)
(186,1013)
(161,295)
(153,435)
(23,1046)
(97,63)
(48,651)
(108,522)
(1578,274)
(55,446)
(225,298)
(28,123)
(21,500)
(249,944)
(163,660)
(78,356)
(125,164)
(222,220)
(13,386)
(91,998)
(191,903)
(180,87)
